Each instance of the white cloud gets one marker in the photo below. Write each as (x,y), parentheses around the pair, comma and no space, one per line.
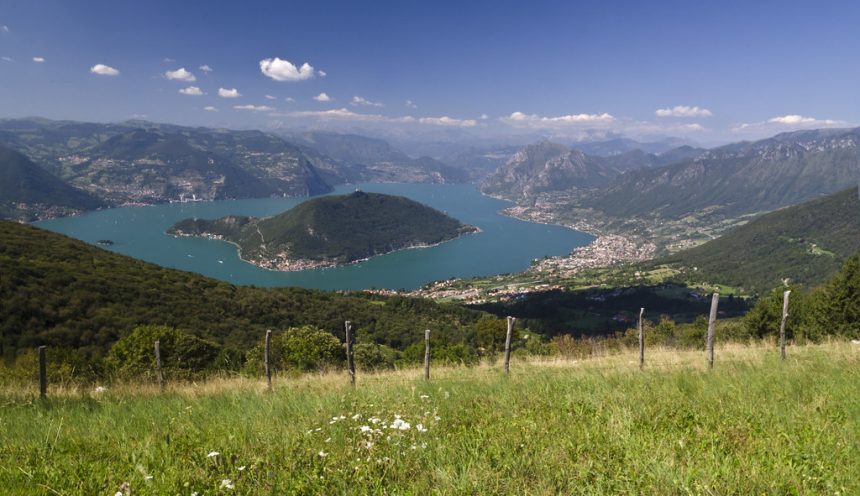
(38,60)
(357,100)
(7,59)
(322,97)
(4,28)
(255,108)
(484,117)
(180,75)
(284,70)
(794,119)
(169,60)
(210,108)
(289,99)
(346,114)
(205,68)
(683,111)
(270,97)
(229,93)
(787,122)
(448,121)
(322,73)
(192,91)
(411,104)
(520,119)
(104,70)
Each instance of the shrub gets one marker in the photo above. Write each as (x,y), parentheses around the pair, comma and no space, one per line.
(371,356)
(300,349)
(183,355)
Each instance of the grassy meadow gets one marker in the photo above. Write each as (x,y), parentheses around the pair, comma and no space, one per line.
(753,425)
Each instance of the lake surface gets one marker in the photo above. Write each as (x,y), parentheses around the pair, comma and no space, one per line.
(504,245)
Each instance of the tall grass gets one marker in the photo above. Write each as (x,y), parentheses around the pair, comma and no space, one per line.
(753,425)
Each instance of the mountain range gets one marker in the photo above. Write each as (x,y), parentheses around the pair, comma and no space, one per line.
(144,162)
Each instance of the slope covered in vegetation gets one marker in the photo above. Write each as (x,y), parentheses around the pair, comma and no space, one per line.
(70,295)
(805,243)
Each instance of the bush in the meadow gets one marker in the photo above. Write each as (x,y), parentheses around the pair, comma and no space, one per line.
(298,349)
(372,356)
(183,355)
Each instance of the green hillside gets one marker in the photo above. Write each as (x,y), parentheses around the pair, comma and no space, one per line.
(27,190)
(68,294)
(806,243)
(335,229)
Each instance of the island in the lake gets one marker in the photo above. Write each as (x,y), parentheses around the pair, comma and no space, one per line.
(330,231)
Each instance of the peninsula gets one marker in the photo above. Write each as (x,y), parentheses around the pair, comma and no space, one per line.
(329,231)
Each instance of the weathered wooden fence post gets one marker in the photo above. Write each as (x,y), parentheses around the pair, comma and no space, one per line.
(508,345)
(427,355)
(350,362)
(43,373)
(158,370)
(266,359)
(782,324)
(715,300)
(641,340)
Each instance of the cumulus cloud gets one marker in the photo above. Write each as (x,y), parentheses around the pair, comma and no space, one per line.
(284,70)
(322,97)
(210,108)
(357,100)
(411,104)
(254,108)
(205,68)
(104,70)
(520,119)
(229,93)
(683,111)
(180,75)
(192,91)
(38,60)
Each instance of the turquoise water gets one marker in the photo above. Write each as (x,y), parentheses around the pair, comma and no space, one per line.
(504,245)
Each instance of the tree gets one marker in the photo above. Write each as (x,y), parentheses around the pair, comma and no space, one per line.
(300,349)
(837,304)
(490,335)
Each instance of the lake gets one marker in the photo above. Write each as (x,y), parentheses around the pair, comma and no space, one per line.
(504,245)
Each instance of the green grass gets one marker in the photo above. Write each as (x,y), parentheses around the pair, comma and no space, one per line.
(753,425)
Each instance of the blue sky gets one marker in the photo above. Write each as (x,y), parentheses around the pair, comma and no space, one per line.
(712,71)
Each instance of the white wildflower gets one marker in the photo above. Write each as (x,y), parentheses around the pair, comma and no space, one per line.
(327,440)
(241,468)
(437,418)
(424,397)
(420,428)
(401,425)
(100,389)
(212,454)
(365,428)
(322,454)
(356,416)
(227,484)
